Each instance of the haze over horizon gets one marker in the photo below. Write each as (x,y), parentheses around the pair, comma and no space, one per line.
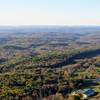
(50,12)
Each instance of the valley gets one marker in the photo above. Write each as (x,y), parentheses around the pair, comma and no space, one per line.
(49,63)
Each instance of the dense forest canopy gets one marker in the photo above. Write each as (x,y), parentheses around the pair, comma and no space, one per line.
(48,62)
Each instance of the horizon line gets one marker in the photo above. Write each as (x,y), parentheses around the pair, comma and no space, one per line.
(51,25)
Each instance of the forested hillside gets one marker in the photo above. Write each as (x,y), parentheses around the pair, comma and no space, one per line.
(49,63)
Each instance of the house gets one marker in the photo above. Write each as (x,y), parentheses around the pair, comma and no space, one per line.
(89,92)
(85,93)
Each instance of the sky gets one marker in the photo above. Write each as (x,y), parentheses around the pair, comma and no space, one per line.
(50,12)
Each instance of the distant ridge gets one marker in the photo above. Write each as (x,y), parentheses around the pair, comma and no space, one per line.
(9,30)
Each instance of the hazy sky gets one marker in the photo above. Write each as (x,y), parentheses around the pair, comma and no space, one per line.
(49,12)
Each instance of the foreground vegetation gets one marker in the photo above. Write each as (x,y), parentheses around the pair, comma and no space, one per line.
(36,77)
